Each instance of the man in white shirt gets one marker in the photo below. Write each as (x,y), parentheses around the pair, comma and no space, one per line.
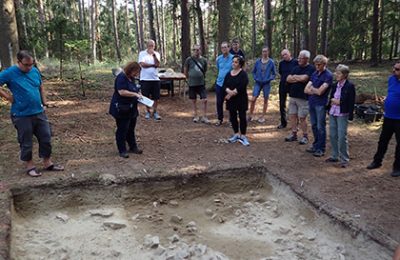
(149,60)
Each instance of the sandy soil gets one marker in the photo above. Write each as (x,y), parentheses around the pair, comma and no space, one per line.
(84,142)
(238,217)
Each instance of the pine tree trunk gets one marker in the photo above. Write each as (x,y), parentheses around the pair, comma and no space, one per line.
(81,21)
(305,26)
(138,36)
(324,26)
(9,32)
(382,26)
(295,25)
(314,27)
(201,27)
(151,21)
(115,31)
(375,34)
(160,43)
(23,39)
(175,31)
(268,25)
(253,28)
(93,30)
(224,20)
(141,19)
(164,42)
(185,32)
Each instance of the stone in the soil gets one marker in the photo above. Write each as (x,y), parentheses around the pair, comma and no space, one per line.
(209,212)
(176,219)
(107,178)
(284,231)
(151,241)
(115,224)
(173,203)
(191,227)
(174,238)
(101,213)
(63,217)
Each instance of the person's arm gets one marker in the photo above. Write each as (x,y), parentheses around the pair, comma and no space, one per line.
(127,93)
(6,95)
(352,101)
(273,72)
(319,91)
(397,254)
(186,69)
(43,96)
(308,88)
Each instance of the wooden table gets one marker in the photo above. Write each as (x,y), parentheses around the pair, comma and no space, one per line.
(175,76)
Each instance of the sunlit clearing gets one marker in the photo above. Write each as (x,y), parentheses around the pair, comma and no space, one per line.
(81,111)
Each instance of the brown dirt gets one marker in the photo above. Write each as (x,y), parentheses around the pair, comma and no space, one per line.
(84,142)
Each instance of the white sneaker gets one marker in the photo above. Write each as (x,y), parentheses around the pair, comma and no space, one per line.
(261,120)
(196,119)
(204,120)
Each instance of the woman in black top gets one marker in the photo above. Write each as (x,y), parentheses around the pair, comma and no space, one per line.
(123,108)
(235,85)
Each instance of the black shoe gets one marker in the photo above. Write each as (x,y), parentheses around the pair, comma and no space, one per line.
(395,173)
(331,160)
(374,165)
(219,123)
(136,151)
(281,126)
(124,155)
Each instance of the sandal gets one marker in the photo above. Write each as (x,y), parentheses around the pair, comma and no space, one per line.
(55,168)
(33,173)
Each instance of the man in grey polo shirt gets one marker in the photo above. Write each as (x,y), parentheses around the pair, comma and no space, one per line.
(195,71)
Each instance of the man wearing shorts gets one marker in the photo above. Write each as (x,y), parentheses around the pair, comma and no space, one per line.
(149,60)
(195,71)
(298,102)
(263,74)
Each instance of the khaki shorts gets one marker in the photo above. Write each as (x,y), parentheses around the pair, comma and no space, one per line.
(298,106)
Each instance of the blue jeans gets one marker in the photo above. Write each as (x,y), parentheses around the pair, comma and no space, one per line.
(338,137)
(220,102)
(318,125)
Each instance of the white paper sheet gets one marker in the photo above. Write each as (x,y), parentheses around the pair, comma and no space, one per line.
(146,101)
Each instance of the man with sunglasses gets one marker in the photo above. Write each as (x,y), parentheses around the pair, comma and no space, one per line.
(391,123)
(27,111)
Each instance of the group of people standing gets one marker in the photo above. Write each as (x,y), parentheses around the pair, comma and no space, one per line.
(310,89)
(311,92)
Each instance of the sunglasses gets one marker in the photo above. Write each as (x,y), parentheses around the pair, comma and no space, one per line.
(27,64)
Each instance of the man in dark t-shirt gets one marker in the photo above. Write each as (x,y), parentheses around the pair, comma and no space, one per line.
(298,104)
(235,48)
(286,65)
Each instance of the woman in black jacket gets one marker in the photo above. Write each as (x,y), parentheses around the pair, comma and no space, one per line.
(341,106)
(235,87)
(123,108)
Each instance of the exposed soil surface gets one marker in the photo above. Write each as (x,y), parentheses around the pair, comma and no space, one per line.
(84,142)
(225,215)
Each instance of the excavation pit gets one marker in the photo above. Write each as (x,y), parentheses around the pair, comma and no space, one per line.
(231,214)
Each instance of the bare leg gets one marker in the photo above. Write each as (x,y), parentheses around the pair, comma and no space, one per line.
(293,122)
(204,107)
(303,125)
(252,106)
(194,107)
(265,107)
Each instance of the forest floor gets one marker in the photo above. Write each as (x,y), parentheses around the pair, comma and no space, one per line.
(83,141)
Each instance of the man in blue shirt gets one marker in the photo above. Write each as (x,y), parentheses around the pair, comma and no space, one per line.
(27,111)
(317,89)
(224,66)
(391,123)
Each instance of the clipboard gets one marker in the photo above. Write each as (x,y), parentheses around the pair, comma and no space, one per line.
(146,101)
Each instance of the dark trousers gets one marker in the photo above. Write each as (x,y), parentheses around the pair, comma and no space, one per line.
(242,120)
(125,133)
(282,105)
(29,126)
(220,102)
(389,127)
